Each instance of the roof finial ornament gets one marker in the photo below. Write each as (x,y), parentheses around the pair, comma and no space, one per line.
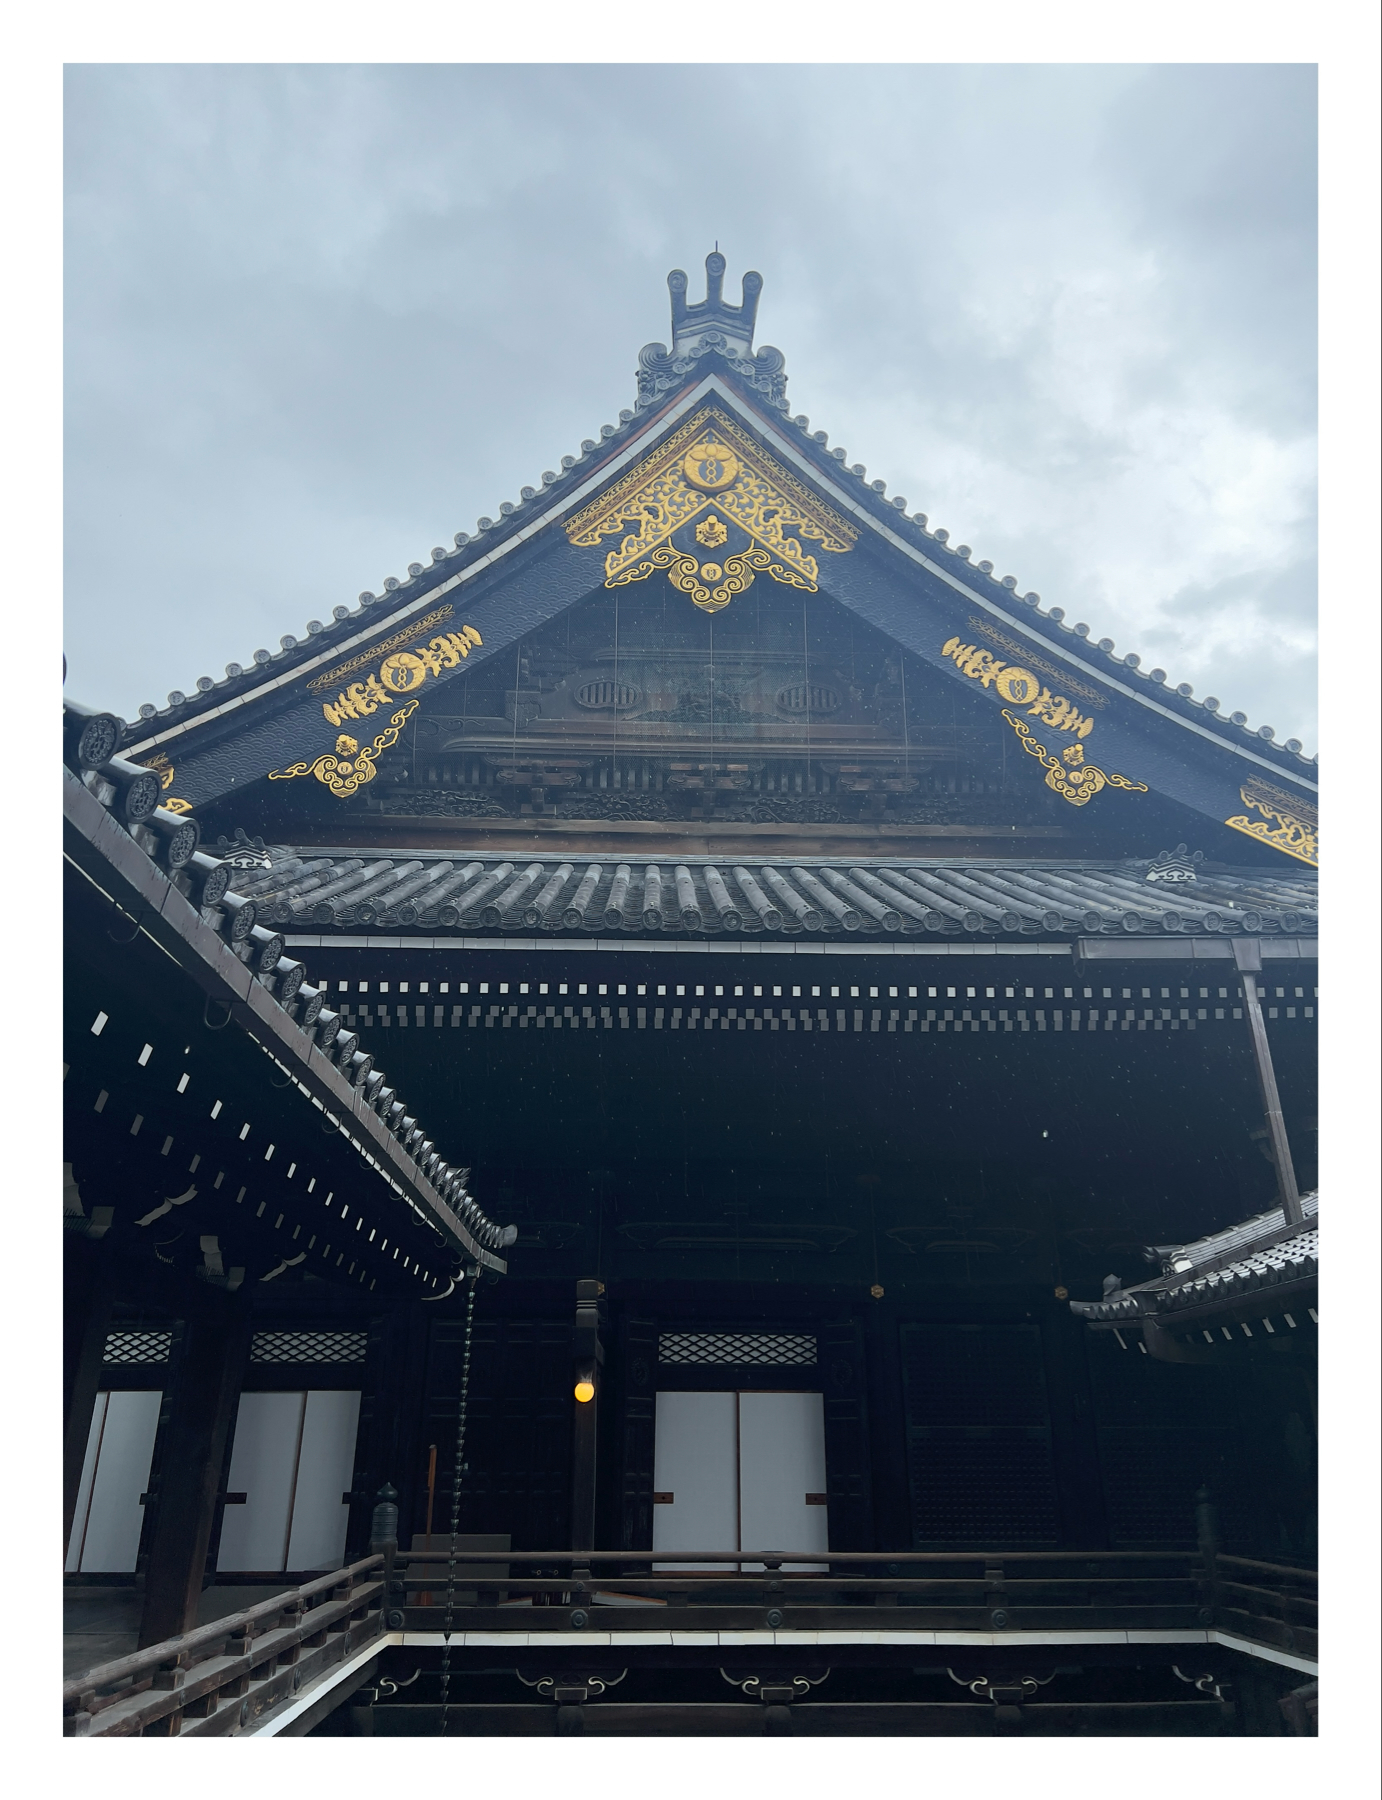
(735,324)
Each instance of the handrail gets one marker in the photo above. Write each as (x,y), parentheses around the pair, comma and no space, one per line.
(985,1558)
(821,1577)
(1249,1587)
(1251,1562)
(223,1678)
(146,1661)
(1005,1590)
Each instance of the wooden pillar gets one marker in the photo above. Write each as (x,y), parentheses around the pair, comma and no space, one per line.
(215,1345)
(637,1383)
(589,1356)
(391,1406)
(1207,1541)
(87,1299)
(1248,956)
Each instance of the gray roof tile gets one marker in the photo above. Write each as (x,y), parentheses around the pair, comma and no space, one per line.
(821,897)
(1260,1253)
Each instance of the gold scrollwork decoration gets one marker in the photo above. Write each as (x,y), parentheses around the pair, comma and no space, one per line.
(1018,686)
(1288,822)
(408,635)
(1023,653)
(711,460)
(710,585)
(352,764)
(1068,774)
(400,674)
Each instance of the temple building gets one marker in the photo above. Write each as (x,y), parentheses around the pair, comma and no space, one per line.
(701,1119)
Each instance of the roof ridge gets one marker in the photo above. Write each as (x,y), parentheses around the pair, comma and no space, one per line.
(661,376)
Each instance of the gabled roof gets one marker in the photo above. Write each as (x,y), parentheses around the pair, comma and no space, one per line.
(519,570)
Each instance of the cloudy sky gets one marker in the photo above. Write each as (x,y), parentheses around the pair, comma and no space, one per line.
(321,318)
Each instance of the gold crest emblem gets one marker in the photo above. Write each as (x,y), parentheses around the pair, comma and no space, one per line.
(710,466)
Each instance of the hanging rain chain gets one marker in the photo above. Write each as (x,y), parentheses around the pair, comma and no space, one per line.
(456,1475)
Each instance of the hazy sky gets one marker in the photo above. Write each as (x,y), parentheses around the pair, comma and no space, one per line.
(321,318)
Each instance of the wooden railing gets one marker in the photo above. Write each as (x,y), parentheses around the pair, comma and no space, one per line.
(220,1679)
(982,1591)
(1269,1603)
(990,1592)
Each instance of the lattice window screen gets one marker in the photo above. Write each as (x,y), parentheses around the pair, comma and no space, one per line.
(126,1347)
(308,1347)
(978,1435)
(737,1348)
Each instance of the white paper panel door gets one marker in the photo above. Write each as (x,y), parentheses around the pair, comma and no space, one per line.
(326,1466)
(80,1517)
(119,1453)
(263,1467)
(694,1460)
(781,1462)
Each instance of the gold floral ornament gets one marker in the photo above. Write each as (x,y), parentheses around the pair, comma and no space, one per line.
(352,764)
(1288,822)
(1018,686)
(711,458)
(400,674)
(1069,774)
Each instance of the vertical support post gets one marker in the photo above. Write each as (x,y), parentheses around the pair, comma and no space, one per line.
(1207,1541)
(398,1343)
(589,1356)
(1247,954)
(383,1539)
(87,1301)
(215,1344)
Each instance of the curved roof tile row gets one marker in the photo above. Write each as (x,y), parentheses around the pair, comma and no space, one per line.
(1208,1270)
(338,1044)
(730,898)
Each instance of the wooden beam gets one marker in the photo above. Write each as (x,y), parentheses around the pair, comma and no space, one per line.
(1247,954)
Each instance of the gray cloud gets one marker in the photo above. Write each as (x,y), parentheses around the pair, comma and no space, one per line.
(322,318)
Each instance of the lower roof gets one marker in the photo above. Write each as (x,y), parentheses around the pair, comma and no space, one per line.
(1263,1252)
(815,898)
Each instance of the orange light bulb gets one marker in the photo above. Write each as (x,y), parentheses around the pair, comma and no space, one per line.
(585,1390)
